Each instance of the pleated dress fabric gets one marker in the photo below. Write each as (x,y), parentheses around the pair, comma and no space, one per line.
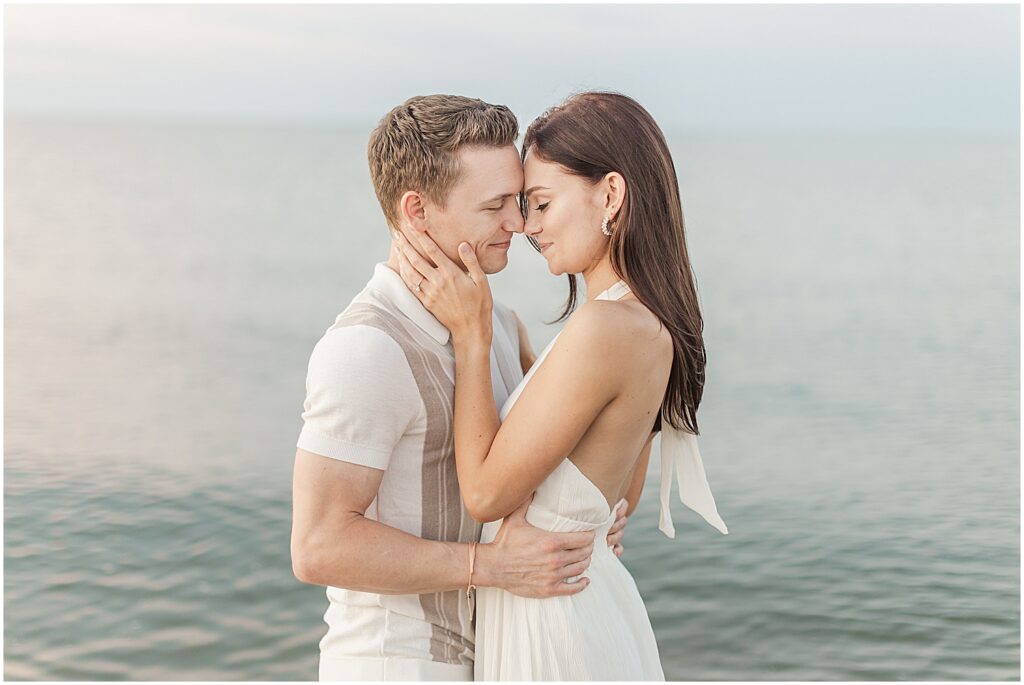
(601,633)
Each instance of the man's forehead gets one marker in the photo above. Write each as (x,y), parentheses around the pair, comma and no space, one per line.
(491,172)
(491,158)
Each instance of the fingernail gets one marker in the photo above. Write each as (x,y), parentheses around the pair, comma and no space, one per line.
(464,248)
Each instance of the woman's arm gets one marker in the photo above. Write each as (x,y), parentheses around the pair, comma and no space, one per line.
(500,464)
(476,419)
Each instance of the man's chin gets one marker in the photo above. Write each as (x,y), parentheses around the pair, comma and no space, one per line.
(493,266)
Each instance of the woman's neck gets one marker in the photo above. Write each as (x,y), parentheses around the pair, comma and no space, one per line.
(600,277)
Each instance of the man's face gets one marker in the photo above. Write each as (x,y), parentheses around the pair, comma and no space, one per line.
(482,208)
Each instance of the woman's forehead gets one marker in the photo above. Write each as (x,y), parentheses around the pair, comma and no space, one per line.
(538,171)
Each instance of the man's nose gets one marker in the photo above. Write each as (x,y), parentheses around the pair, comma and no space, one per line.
(515,223)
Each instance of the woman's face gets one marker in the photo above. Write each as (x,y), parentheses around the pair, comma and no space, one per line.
(564,215)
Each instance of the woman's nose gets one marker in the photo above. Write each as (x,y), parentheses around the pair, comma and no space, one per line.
(532,226)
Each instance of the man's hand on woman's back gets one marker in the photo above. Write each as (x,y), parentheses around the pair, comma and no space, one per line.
(532,562)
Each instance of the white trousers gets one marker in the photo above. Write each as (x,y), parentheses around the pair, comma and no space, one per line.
(391,668)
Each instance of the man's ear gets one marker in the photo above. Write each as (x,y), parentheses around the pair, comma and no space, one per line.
(412,210)
(615,193)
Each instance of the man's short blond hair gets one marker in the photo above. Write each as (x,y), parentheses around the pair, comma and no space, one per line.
(415,146)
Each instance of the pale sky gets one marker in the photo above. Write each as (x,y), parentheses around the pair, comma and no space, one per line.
(801,67)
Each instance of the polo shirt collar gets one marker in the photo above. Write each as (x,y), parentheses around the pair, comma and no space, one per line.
(390,284)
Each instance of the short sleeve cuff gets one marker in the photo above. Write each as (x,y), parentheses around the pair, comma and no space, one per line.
(363,455)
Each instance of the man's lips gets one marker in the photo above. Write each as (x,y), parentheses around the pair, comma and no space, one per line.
(505,244)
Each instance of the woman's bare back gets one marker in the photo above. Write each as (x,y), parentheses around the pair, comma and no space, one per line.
(640,368)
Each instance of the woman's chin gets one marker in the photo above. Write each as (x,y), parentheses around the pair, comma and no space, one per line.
(557,268)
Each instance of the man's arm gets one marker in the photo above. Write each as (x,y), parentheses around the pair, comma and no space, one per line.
(334,544)
(526,354)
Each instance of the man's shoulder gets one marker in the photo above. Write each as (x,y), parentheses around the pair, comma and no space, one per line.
(501,309)
(356,345)
(506,316)
(366,331)
(369,310)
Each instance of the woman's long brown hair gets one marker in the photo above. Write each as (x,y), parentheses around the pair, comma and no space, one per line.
(590,135)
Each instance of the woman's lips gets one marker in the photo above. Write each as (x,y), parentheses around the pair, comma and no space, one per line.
(544,246)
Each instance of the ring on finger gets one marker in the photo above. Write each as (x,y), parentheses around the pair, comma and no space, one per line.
(417,286)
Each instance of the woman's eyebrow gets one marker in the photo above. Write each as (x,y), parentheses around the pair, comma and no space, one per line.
(535,188)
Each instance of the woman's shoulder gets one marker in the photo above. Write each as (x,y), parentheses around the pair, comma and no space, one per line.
(619,327)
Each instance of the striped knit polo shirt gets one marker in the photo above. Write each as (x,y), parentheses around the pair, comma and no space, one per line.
(380,392)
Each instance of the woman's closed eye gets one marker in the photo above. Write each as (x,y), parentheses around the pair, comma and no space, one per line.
(541,207)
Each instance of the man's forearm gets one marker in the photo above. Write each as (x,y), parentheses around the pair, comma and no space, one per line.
(526,358)
(369,556)
(526,355)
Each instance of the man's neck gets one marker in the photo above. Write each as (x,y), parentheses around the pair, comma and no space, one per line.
(392,264)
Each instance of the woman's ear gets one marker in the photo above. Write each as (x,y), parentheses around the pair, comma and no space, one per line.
(615,193)
(411,210)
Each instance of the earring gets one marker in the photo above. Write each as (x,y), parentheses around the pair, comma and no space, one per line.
(604,227)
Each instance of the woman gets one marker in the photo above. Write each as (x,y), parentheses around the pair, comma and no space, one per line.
(601,199)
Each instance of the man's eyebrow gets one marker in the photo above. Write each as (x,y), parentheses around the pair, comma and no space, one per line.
(527,193)
(498,197)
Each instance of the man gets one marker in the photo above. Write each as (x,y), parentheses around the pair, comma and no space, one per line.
(377,513)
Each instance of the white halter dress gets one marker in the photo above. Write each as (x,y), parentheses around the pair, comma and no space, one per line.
(603,632)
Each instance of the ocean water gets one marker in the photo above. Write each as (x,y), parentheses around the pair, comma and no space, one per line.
(164,285)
